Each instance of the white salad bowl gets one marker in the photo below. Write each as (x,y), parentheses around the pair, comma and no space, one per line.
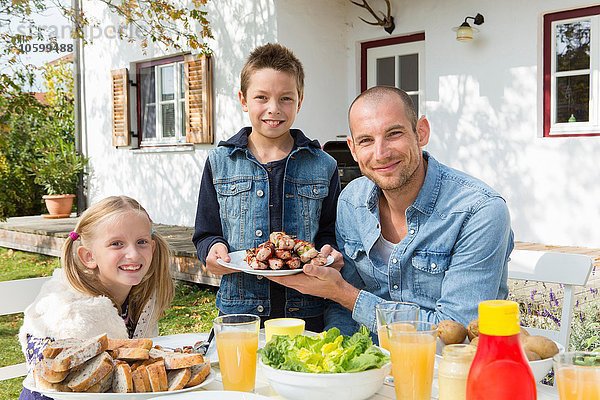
(327,386)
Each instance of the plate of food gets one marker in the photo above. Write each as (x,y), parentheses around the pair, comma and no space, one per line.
(279,256)
(103,368)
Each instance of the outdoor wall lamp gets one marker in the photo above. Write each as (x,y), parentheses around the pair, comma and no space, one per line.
(464,32)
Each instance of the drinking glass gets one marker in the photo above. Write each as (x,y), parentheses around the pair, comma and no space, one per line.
(389,312)
(237,343)
(412,349)
(577,375)
(284,327)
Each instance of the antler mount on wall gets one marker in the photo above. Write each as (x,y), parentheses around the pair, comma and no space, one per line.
(386,21)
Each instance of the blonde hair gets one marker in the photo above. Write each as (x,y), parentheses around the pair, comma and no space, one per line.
(157,281)
(274,56)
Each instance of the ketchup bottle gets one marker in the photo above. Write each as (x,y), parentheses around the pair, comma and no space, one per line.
(500,370)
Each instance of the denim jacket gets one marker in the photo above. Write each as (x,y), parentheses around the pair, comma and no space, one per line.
(242,191)
(454,255)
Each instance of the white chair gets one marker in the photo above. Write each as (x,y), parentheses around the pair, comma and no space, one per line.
(563,268)
(15,296)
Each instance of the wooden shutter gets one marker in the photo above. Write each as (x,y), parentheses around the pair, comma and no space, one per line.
(120,111)
(198,99)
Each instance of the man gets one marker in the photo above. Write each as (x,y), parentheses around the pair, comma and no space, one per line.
(411,229)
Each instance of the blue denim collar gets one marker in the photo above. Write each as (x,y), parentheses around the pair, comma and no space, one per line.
(428,194)
(240,141)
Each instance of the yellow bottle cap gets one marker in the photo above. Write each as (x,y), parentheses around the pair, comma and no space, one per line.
(499,318)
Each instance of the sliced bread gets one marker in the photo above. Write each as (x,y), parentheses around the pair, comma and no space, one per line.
(199,374)
(141,382)
(43,384)
(141,343)
(131,353)
(77,355)
(178,378)
(122,379)
(50,375)
(55,347)
(90,373)
(158,376)
(174,360)
(103,386)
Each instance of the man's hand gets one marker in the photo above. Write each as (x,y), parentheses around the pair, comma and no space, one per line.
(338,259)
(218,250)
(323,282)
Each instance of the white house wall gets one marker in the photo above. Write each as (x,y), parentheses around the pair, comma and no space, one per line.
(482,98)
(167,182)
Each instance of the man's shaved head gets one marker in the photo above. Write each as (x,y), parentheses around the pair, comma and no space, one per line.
(377,93)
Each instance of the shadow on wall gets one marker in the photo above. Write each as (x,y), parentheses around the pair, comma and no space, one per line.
(500,145)
(167,184)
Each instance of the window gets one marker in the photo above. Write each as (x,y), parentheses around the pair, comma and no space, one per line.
(162,102)
(396,62)
(571,73)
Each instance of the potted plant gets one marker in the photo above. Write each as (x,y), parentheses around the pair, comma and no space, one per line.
(57,170)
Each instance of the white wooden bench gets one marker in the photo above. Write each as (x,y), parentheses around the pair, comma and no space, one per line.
(563,268)
(15,296)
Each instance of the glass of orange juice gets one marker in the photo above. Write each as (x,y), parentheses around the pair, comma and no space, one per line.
(412,349)
(237,343)
(577,375)
(388,312)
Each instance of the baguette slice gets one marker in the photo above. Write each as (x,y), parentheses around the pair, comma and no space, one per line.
(140,343)
(103,386)
(55,347)
(43,384)
(131,354)
(141,382)
(75,356)
(122,379)
(158,376)
(90,373)
(178,378)
(175,360)
(199,374)
(48,374)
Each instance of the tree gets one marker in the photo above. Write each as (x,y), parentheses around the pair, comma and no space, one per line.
(176,25)
(25,123)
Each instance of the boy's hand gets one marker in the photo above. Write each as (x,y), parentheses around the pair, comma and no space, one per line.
(218,250)
(338,259)
(323,282)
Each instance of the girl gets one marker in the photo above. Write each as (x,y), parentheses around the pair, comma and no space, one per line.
(115,279)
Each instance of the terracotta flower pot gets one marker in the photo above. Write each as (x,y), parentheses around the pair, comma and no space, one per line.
(58,205)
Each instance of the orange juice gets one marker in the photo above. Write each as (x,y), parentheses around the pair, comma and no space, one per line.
(578,383)
(413,357)
(237,359)
(384,340)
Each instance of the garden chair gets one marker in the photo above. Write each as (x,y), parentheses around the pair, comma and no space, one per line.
(552,267)
(15,296)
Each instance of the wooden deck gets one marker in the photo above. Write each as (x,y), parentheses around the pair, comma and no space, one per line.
(45,236)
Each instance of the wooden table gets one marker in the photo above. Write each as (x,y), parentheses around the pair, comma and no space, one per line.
(263,388)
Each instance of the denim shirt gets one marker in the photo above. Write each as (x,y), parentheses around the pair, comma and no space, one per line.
(454,255)
(242,192)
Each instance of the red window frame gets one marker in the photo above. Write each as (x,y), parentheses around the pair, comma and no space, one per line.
(417,37)
(547,60)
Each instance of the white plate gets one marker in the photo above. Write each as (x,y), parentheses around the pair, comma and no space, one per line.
(28,383)
(214,395)
(238,263)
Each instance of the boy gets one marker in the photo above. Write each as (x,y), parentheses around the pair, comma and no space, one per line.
(267,178)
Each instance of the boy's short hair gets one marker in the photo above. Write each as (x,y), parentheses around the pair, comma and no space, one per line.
(277,57)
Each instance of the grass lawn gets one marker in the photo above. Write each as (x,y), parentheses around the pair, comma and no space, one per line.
(193,310)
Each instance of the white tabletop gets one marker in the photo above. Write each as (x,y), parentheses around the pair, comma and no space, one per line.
(263,388)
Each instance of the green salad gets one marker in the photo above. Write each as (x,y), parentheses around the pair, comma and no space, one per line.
(326,352)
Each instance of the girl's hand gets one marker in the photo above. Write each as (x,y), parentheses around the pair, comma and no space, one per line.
(218,251)
(338,259)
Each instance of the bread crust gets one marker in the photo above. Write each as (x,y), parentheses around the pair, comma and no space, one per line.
(90,373)
(77,355)
(178,378)
(174,360)
(199,374)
